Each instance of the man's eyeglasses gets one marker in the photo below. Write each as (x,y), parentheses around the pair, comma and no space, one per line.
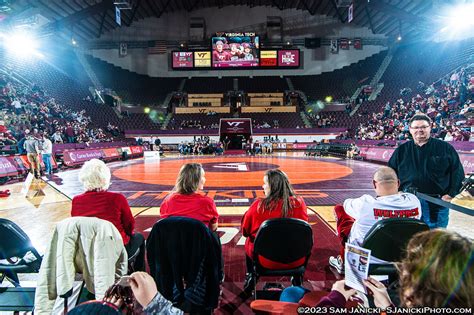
(418,128)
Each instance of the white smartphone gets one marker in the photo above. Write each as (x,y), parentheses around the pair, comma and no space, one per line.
(124,281)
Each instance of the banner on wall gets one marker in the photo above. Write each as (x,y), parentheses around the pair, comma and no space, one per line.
(81,156)
(7,168)
(237,126)
(136,150)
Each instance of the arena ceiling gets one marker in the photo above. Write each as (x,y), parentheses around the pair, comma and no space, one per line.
(89,19)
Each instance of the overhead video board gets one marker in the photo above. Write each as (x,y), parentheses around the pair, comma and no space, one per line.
(182,59)
(236,50)
(268,58)
(202,59)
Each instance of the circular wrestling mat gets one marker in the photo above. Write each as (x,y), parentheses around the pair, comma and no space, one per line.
(233,180)
(233,172)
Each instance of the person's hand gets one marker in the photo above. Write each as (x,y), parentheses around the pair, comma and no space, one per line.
(339,287)
(143,287)
(447,198)
(379,291)
(118,302)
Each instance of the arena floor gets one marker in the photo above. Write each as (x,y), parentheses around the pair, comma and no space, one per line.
(234,182)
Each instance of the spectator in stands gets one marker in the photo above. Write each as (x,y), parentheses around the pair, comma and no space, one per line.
(97,202)
(185,200)
(32,148)
(70,133)
(46,151)
(226,143)
(280,201)
(353,151)
(355,218)
(219,148)
(17,106)
(57,137)
(430,166)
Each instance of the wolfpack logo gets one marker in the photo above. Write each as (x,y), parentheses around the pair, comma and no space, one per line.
(238,167)
(234,123)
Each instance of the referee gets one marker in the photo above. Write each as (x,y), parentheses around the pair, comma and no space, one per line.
(430,166)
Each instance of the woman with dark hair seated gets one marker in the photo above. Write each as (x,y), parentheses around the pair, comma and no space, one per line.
(97,202)
(185,200)
(437,271)
(280,202)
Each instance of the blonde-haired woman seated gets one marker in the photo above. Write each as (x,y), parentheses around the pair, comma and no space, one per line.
(97,202)
(185,201)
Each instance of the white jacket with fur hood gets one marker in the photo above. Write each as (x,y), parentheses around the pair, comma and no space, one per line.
(90,246)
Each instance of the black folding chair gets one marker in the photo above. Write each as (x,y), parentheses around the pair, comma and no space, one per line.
(388,240)
(285,241)
(14,246)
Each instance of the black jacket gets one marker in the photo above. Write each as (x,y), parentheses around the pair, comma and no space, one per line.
(433,168)
(184,258)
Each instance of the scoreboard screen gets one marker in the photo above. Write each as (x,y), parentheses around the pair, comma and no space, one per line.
(289,58)
(202,59)
(237,50)
(268,58)
(182,59)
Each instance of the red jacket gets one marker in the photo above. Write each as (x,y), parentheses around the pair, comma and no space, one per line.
(107,206)
(254,217)
(195,206)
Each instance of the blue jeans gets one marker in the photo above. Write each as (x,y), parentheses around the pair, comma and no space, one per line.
(47,163)
(434,215)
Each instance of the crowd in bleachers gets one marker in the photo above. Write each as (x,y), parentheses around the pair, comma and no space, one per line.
(200,147)
(321,120)
(448,102)
(29,110)
(197,124)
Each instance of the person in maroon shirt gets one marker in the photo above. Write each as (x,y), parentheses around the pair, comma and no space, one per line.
(280,201)
(185,201)
(97,202)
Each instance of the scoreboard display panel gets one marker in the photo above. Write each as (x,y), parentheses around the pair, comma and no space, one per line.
(268,58)
(237,50)
(202,59)
(289,58)
(182,59)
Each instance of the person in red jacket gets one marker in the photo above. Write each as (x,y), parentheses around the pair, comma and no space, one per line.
(97,202)
(280,201)
(185,200)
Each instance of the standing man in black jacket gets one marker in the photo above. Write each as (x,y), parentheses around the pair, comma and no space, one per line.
(431,166)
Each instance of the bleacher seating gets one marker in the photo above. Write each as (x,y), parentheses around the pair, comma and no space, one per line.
(262,84)
(132,87)
(204,85)
(340,83)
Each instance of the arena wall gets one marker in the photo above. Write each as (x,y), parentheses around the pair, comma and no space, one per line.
(175,27)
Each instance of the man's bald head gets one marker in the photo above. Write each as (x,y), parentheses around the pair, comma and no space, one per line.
(385,174)
(386,181)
